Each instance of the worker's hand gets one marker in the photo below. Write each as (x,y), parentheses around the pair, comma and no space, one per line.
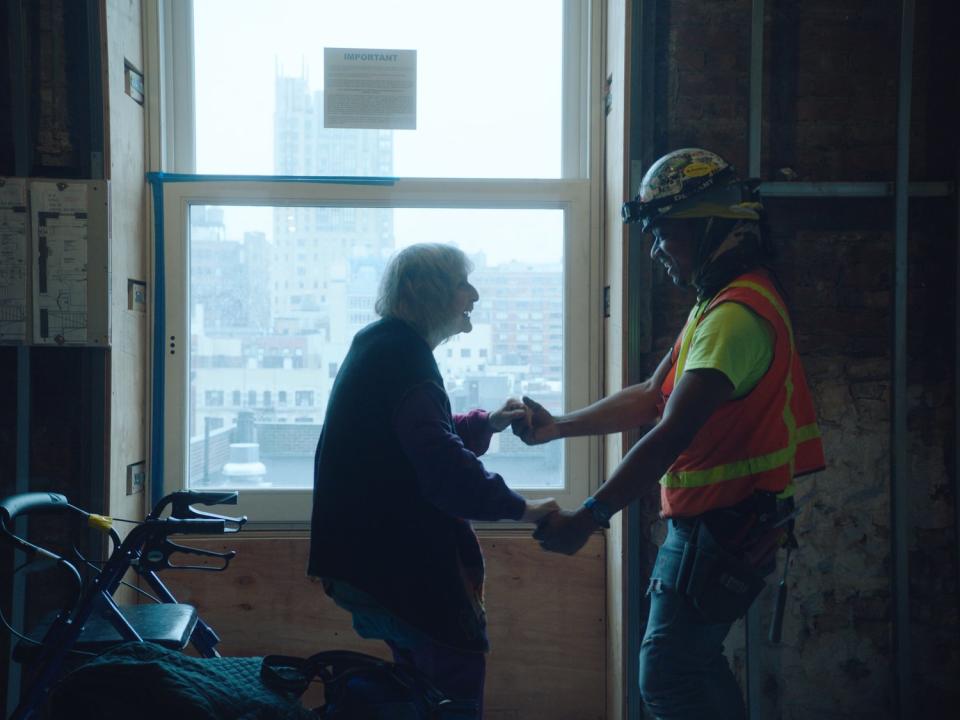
(537,510)
(512,411)
(565,532)
(537,425)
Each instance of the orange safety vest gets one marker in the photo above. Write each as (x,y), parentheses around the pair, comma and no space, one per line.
(758,442)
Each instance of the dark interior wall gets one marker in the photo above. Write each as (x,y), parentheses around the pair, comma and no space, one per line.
(62,456)
(47,47)
(63,453)
(833,96)
(836,263)
(58,119)
(57,48)
(8,471)
(830,104)
(6,96)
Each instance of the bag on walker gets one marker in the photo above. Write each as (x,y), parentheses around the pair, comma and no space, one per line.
(363,687)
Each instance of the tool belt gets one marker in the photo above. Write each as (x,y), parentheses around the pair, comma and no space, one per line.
(728,554)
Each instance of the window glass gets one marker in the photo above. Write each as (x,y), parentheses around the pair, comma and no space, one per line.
(273,339)
(488,89)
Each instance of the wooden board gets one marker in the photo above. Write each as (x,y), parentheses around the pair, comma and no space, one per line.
(616,190)
(546,617)
(125,165)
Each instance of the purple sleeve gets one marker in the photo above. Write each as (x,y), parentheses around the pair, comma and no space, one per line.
(449,473)
(475,431)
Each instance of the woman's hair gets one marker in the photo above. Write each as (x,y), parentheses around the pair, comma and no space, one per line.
(418,285)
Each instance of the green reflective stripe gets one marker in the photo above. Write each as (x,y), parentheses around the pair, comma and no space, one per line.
(771,298)
(687,339)
(730,471)
(790,421)
(808,432)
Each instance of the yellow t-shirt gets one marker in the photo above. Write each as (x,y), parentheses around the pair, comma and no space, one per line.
(736,341)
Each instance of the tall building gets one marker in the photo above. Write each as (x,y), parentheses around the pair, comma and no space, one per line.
(230,276)
(523,304)
(312,246)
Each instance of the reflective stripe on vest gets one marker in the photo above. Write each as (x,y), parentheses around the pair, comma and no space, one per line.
(805,433)
(687,339)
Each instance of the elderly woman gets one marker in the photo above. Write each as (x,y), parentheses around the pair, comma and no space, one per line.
(397,478)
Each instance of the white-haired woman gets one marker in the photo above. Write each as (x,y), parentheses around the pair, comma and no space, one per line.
(397,478)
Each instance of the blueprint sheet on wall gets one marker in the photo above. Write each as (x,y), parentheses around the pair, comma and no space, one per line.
(13,259)
(60,225)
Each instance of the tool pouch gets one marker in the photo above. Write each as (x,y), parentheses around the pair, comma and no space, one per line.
(719,585)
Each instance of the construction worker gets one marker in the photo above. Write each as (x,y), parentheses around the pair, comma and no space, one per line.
(733,424)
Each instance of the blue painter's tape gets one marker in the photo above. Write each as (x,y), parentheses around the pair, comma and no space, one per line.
(157,181)
(158,178)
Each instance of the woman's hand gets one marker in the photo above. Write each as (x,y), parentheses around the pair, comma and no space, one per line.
(565,532)
(537,510)
(537,425)
(512,411)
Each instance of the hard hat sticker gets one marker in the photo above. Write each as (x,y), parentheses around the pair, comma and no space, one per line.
(698,169)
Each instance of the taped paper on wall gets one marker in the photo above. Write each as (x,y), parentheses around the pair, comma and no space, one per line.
(372,89)
(13,260)
(60,230)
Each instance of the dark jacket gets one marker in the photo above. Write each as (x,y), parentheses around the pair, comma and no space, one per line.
(371,525)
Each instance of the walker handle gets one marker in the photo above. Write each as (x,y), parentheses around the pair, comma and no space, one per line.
(15,505)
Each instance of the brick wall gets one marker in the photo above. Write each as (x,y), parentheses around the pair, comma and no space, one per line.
(830,98)
(288,439)
(216,454)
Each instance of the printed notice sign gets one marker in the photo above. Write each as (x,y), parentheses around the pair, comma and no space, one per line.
(59,212)
(370,89)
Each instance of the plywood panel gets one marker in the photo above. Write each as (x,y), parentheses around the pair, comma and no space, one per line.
(125,166)
(546,617)
(547,629)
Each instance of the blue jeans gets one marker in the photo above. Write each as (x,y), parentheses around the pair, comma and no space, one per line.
(683,672)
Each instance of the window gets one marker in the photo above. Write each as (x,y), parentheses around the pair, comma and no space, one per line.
(303,398)
(517,192)
(213,398)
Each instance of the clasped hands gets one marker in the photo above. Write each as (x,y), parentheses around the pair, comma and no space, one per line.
(560,531)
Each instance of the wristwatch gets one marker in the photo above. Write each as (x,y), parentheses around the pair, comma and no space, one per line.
(601,513)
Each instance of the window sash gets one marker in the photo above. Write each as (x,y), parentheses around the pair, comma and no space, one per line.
(278,507)
(171,105)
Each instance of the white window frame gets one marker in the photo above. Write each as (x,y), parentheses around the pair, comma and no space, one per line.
(170,116)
